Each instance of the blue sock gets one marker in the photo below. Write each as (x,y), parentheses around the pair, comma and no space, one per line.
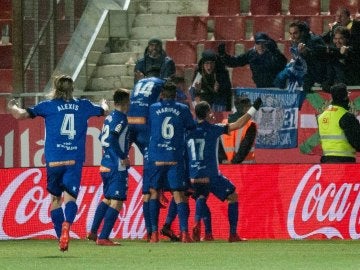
(172,212)
(207,219)
(199,209)
(70,211)
(109,221)
(146,214)
(154,214)
(233,214)
(183,213)
(57,217)
(98,217)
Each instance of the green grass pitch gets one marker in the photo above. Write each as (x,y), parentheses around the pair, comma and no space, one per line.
(135,254)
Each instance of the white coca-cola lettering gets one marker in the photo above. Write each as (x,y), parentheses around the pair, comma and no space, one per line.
(325,204)
(33,206)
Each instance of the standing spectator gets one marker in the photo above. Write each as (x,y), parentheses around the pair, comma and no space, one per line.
(113,169)
(65,135)
(145,92)
(341,67)
(202,145)
(212,82)
(265,60)
(312,49)
(154,56)
(343,18)
(239,145)
(339,129)
(168,122)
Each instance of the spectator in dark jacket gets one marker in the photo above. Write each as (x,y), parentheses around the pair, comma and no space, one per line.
(265,60)
(212,82)
(154,56)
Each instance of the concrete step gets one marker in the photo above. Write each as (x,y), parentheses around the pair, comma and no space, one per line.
(119,58)
(113,71)
(155,20)
(110,83)
(147,32)
(174,7)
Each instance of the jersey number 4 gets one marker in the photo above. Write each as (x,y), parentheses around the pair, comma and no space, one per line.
(68,126)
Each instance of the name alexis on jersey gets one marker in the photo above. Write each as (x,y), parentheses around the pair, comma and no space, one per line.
(68,106)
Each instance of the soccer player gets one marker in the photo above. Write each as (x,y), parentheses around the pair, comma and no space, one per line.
(146,92)
(113,169)
(168,122)
(66,124)
(202,148)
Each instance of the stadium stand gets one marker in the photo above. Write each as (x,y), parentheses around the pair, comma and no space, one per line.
(352,5)
(273,25)
(224,7)
(304,7)
(267,7)
(191,28)
(182,51)
(229,27)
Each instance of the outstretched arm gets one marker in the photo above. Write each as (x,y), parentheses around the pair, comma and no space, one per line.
(16,111)
(240,122)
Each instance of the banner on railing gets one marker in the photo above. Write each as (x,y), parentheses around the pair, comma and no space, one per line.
(277,118)
(300,201)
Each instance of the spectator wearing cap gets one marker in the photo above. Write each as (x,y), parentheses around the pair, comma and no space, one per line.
(212,82)
(339,129)
(265,60)
(154,58)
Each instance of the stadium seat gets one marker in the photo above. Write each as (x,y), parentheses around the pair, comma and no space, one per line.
(229,27)
(284,47)
(6,77)
(191,28)
(224,7)
(352,5)
(266,7)
(6,52)
(242,46)
(242,77)
(5,9)
(182,51)
(304,7)
(273,25)
(213,45)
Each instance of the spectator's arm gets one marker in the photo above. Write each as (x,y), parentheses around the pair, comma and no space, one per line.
(245,145)
(351,127)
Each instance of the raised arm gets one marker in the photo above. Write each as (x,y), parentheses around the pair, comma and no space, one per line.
(240,122)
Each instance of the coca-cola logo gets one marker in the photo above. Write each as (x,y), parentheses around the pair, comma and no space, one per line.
(324,208)
(25,207)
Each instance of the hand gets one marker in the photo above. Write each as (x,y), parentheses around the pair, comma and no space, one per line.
(12,103)
(221,49)
(104,105)
(257,103)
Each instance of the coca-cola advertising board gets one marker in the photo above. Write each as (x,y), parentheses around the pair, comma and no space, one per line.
(276,201)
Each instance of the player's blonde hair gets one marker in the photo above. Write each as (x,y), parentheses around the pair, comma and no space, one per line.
(63,88)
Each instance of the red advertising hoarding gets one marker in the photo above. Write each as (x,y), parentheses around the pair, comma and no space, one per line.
(277,201)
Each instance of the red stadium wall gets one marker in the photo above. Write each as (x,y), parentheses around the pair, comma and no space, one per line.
(279,201)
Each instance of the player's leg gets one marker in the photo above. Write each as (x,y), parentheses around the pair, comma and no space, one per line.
(171,215)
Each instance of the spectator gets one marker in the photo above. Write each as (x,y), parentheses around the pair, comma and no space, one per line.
(343,18)
(66,121)
(341,67)
(202,145)
(113,170)
(339,129)
(212,82)
(154,56)
(312,49)
(168,122)
(239,146)
(265,60)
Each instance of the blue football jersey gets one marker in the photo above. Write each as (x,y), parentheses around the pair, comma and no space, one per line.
(66,124)
(168,122)
(202,148)
(146,92)
(114,140)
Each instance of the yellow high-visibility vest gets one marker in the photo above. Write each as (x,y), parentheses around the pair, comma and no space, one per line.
(332,137)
